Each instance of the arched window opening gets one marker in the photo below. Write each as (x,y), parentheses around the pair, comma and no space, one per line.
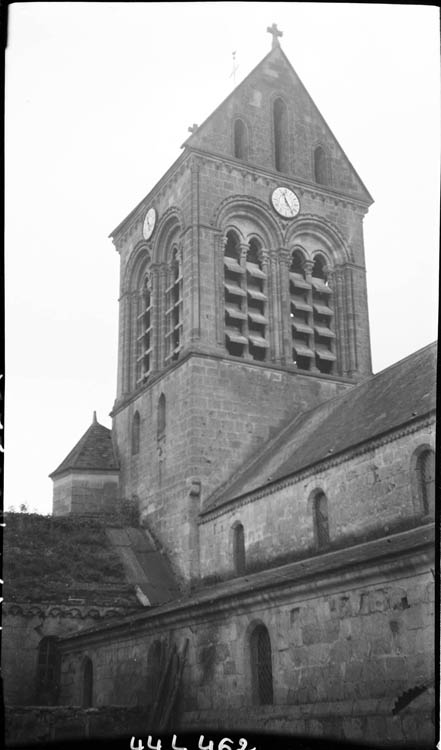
(174,309)
(235,297)
(425,469)
(136,428)
(322,302)
(300,313)
(48,671)
(319,269)
(320,165)
(239,549)
(240,140)
(257,302)
(280,117)
(261,666)
(321,520)
(161,416)
(144,339)
(87,686)
(245,282)
(311,314)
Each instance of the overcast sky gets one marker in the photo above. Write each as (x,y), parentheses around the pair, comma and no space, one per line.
(99,97)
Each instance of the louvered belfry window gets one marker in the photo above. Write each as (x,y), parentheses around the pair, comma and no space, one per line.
(174,309)
(311,315)
(323,316)
(426,480)
(144,333)
(245,281)
(262,671)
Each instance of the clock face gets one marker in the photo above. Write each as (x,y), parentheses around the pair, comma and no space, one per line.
(285,202)
(149,223)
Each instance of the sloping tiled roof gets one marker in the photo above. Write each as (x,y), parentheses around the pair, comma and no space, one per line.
(52,559)
(144,565)
(94,451)
(401,393)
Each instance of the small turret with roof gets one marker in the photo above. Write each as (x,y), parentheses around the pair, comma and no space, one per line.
(87,481)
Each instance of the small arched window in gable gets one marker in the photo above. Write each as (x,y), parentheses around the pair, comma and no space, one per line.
(87,684)
(161,417)
(240,140)
(261,666)
(425,471)
(48,671)
(136,428)
(321,520)
(239,549)
(320,171)
(280,123)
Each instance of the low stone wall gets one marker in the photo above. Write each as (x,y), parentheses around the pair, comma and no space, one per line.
(40,724)
(358,720)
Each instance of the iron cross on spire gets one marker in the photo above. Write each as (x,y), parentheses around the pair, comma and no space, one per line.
(275,33)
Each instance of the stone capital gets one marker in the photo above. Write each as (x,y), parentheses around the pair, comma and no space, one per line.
(284,257)
(308,265)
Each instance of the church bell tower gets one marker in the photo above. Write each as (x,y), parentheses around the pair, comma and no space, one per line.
(242,299)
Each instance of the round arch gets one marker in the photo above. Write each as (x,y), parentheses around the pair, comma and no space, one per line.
(306,229)
(168,232)
(259,663)
(253,215)
(137,264)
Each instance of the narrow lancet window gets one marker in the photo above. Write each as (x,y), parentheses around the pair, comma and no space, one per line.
(136,428)
(87,686)
(240,140)
(239,549)
(321,520)
(261,666)
(425,468)
(280,122)
(320,171)
(161,424)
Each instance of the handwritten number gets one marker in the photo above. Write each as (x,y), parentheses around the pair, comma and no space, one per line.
(139,746)
(174,745)
(201,745)
(223,744)
(151,746)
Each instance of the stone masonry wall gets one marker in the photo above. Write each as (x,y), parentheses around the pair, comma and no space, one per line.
(24,626)
(342,654)
(85,493)
(367,493)
(217,414)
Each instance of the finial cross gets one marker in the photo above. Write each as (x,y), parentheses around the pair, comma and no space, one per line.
(275,33)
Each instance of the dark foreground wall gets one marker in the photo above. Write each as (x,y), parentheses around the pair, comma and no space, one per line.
(41,724)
